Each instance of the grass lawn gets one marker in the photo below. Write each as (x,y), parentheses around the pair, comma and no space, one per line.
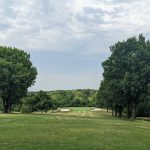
(79,129)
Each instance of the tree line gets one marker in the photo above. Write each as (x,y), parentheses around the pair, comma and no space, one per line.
(50,100)
(125,87)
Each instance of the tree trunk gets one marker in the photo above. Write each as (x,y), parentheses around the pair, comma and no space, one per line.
(133,115)
(120,111)
(9,108)
(116,110)
(128,111)
(107,109)
(115,113)
(6,105)
(112,111)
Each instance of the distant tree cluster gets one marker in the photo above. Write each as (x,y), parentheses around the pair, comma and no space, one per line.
(74,98)
(44,101)
(126,83)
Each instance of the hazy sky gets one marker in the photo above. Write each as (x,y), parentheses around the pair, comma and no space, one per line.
(68,39)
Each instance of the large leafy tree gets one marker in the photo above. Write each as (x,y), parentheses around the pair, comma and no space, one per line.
(16,74)
(127,73)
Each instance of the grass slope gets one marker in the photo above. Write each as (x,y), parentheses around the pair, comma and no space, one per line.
(79,129)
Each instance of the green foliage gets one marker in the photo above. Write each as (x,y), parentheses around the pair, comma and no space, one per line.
(25,109)
(126,76)
(29,104)
(1,104)
(17,74)
(17,107)
(63,98)
(39,101)
(43,101)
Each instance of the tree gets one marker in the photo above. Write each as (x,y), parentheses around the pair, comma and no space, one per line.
(16,74)
(126,74)
(104,95)
(43,101)
(29,103)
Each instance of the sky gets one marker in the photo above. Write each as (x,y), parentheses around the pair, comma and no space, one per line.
(69,39)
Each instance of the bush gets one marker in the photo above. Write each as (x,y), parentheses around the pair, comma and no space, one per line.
(25,109)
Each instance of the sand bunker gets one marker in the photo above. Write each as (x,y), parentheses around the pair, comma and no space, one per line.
(64,109)
(96,109)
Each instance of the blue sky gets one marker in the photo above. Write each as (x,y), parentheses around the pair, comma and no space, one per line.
(68,39)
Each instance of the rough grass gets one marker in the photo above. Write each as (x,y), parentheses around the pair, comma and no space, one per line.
(79,129)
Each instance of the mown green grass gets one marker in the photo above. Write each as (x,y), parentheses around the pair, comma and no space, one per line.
(76,130)
(80,109)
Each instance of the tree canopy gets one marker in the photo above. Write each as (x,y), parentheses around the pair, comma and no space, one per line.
(40,101)
(126,82)
(17,74)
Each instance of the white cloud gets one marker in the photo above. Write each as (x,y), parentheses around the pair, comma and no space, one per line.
(64,25)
